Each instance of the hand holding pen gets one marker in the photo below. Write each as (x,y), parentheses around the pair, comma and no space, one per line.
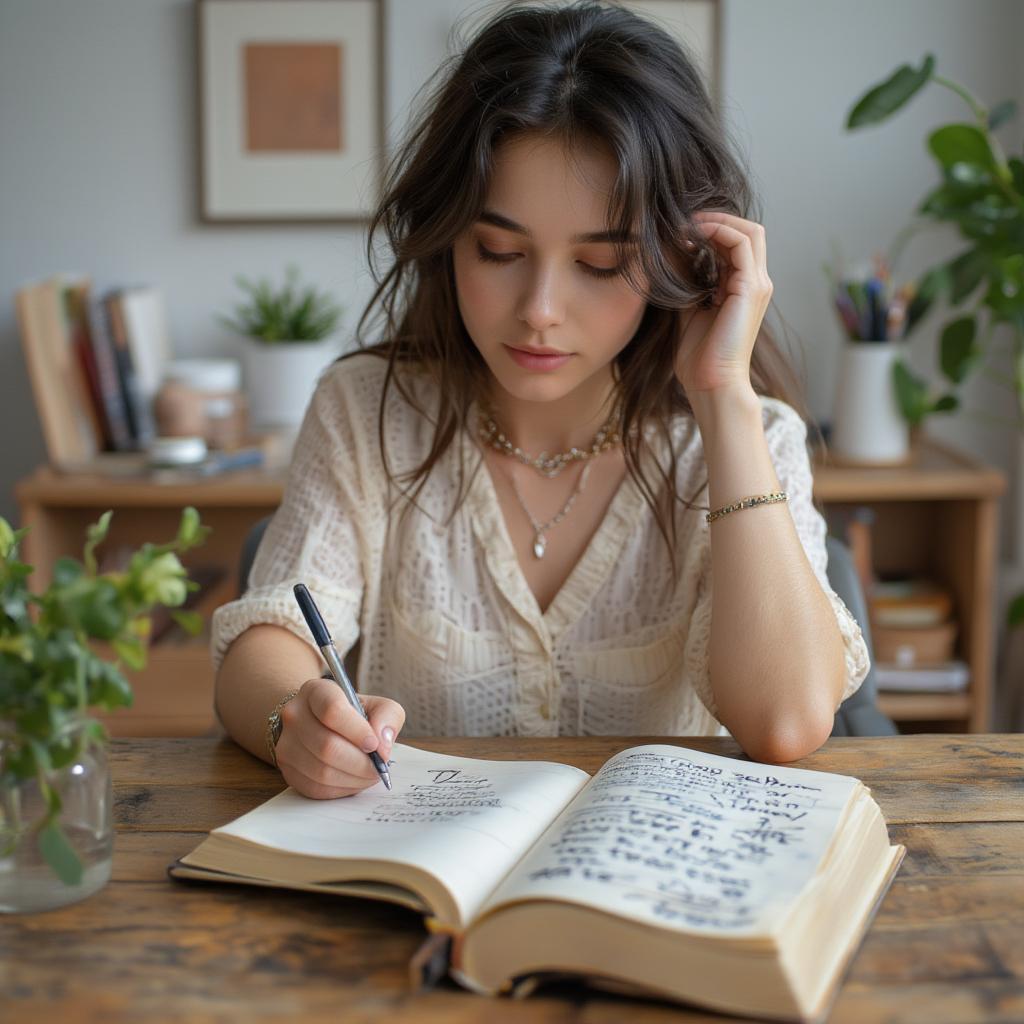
(333,744)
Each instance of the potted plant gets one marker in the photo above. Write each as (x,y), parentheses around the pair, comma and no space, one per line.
(981,193)
(288,341)
(56,828)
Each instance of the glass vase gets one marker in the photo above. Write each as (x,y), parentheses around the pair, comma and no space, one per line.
(27,881)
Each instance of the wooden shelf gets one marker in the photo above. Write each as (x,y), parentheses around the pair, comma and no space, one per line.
(174,693)
(172,489)
(909,707)
(934,472)
(934,516)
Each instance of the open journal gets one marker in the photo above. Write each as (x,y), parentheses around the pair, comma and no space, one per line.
(739,886)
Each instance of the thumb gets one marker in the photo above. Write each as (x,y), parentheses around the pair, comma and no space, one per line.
(386,717)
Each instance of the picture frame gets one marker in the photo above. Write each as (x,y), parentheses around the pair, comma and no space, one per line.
(290,109)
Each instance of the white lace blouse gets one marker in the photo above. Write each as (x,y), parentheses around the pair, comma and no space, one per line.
(446,621)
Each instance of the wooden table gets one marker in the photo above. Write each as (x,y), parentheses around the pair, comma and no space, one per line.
(946,947)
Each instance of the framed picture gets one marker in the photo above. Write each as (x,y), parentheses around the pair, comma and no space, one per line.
(291,101)
(697,25)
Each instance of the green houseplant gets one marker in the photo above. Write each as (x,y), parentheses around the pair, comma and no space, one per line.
(981,193)
(54,786)
(284,315)
(287,331)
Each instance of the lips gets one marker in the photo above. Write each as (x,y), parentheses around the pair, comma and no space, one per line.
(541,350)
(539,360)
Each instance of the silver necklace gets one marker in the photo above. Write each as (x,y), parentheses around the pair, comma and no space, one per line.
(540,541)
(548,465)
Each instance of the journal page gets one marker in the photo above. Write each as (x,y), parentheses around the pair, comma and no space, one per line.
(681,838)
(465,821)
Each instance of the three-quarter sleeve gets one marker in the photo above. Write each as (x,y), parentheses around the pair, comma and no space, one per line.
(320,534)
(786,435)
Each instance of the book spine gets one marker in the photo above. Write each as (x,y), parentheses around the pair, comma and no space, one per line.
(145,326)
(109,378)
(75,298)
(67,428)
(140,418)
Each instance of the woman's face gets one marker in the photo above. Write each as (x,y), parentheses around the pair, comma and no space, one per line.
(540,295)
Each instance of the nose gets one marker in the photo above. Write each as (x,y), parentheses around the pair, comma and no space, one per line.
(542,304)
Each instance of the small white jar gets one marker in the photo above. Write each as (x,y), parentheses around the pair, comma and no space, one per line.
(868,427)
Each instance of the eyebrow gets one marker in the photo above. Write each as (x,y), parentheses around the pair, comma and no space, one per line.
(500,221)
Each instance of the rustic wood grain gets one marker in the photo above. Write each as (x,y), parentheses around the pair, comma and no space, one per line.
(947,945)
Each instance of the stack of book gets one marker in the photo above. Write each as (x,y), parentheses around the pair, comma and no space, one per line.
(913,633)
(94,364)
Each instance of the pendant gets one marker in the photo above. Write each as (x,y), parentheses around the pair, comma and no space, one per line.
(540,543)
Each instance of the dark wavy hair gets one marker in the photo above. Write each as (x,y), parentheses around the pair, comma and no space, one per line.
(584,73)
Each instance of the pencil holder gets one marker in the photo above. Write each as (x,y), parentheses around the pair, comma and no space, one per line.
(868,427)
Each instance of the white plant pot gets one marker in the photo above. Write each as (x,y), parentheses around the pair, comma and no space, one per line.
(868,427)
(280,378)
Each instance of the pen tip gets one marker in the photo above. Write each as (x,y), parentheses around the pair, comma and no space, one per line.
(386,779)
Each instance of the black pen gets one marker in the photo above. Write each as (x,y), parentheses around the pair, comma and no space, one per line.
(323,640)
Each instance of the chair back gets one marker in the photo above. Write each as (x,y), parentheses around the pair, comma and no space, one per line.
(859,714)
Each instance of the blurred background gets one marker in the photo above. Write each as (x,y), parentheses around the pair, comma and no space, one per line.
(107,176)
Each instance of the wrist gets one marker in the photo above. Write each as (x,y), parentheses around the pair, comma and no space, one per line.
(730,404)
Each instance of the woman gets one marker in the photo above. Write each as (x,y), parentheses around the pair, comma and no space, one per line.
(504,499)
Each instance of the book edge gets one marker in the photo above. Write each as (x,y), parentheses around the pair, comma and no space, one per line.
(897,853)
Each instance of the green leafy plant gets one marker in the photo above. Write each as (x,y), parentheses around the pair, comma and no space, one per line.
(50,676)
(981,193)
(285,314)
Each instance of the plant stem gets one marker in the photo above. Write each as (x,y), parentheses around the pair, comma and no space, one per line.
(1003,179)
(980,112)
(10,820)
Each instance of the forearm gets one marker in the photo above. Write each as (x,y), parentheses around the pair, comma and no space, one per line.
(776,653)
(260,668)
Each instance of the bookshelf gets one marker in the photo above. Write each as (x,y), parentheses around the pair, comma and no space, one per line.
(935,516)
(174,693)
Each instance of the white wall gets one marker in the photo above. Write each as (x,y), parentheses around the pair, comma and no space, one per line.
(792,70)
(98,163)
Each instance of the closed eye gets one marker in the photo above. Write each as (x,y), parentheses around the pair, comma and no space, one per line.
(487,256)
(493,257)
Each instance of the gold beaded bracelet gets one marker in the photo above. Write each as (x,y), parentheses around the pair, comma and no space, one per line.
(758,499)
(274,724)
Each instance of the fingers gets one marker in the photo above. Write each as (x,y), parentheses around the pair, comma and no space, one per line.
(386,719)
(320,754)
(738,243)
(312,778)
(744,241)
(324,743)
(332,709)
(751,229)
